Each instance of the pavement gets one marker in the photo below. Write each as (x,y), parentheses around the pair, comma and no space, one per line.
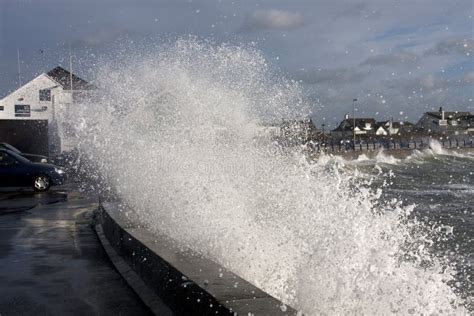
(51,261)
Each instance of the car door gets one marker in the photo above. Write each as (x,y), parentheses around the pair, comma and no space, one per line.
(12,172)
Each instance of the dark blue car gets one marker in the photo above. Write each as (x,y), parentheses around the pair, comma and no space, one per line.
(31,157)
(17,171)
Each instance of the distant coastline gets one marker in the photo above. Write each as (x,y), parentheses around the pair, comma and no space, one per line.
(434,146)
(395,153)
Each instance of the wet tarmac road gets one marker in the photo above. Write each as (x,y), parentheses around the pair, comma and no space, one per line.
(51,262)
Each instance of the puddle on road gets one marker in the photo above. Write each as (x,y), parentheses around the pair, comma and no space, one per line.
(16,201)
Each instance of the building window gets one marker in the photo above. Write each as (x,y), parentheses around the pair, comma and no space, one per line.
(1,107)
(22,110)
(45,95)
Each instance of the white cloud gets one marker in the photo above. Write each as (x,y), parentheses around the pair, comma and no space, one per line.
(272,19)
(428,82)
(469,77)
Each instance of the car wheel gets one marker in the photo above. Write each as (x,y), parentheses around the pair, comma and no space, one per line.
(41,183)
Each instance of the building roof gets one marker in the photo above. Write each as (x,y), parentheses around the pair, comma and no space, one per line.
(63,77)
(466,119)
(399,124)
(456,121)
(449,115)
(381,124)
(308,123)
(348,124)
(305,125)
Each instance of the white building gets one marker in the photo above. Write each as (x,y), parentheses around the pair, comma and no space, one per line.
(381,130)
(358,126)
(43,98)
(441,122)
(393,128)
(269,131)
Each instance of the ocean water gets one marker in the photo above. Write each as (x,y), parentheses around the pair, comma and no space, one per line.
(440,184)
(177,133)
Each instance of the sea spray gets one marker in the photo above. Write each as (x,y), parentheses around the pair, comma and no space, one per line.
(177,134)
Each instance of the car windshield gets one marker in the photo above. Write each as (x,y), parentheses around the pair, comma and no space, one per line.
(10,147)
(16,156)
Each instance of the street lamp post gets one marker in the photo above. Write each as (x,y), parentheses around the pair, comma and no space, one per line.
(52,124)
(353,123)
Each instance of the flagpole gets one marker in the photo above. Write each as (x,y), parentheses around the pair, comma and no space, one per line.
(19,69)
(354,123)
(70,68)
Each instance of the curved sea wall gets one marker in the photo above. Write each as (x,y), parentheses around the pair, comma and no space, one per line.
(395,153)
(183,280)
(369,145)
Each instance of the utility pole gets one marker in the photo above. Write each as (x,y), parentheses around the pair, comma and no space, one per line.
(19,70)
(353,123)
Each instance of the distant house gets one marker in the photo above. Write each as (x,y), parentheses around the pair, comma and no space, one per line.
(43,99)
(404,128)
(448,123)
(269,130)
(359,126)
(381,129)
(292,131)
(393,128)
(466,124)
(301,129)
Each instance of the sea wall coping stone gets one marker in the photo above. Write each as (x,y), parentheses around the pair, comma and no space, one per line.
(185,281)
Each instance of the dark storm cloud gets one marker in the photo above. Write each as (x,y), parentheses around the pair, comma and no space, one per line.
(395,59)
(453,45)
(358,10)
(427,84)
(100,37)
(330,76)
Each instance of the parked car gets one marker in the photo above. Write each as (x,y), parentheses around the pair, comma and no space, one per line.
(32,157)
(17,171)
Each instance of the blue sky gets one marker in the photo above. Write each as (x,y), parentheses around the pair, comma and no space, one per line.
(399,58)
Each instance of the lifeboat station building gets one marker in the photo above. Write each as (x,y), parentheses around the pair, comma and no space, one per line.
(29,115)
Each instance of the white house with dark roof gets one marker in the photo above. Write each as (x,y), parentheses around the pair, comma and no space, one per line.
(37,99)
(43,98)
(442,122)
(393,128)
(357,126)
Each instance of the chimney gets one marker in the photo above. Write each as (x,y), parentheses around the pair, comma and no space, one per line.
(442,121)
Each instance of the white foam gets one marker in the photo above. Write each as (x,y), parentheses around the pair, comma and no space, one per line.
(436,147)
(382,157)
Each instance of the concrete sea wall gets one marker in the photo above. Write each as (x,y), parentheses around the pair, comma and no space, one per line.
(367,145)
(186,282)
(396,153)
